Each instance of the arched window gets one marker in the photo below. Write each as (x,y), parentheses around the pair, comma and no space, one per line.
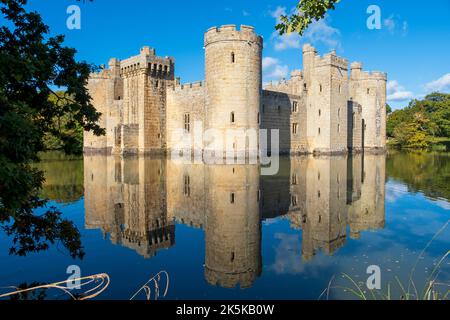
(233,57)
(320,87)
(232,117)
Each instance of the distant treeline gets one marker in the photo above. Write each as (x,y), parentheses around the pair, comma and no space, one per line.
(423,124)
(70,137)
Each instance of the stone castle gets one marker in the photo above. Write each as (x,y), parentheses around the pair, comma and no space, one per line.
(322,109)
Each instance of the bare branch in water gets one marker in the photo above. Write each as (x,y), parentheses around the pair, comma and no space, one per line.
(100,281)
(155,280)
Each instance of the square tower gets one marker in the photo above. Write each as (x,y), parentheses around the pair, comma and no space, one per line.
(326,82)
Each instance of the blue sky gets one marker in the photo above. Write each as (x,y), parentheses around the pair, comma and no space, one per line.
(412,46)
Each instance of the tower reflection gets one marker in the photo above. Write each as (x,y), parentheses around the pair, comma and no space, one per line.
(138,201)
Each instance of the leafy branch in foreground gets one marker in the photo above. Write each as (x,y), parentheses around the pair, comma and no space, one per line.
(307,11)
(32,64)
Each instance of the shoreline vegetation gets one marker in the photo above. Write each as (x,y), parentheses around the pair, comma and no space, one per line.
(432,287)
(423,124)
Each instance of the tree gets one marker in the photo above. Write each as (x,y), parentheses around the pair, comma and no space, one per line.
(388,109)
(431,115)
(307,11)
(32,63)
(411,136)
(69,137)
(395,119)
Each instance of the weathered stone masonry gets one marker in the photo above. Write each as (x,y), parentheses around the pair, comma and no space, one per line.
(322,109)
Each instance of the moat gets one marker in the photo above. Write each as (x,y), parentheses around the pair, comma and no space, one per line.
(226,232)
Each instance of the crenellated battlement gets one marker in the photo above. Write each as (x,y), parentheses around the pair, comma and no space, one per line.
(231,33)
(331,59)
(358,73)
(103,74)
(148,62)
(191,85)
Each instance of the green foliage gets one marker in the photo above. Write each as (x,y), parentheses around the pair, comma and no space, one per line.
(308,11)
(388,109)
(32,63)
(410,135)
(419,124)
(68,138)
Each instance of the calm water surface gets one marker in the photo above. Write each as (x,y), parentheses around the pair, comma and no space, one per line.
(225,232)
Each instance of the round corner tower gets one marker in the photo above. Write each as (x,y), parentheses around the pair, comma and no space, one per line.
(233,72)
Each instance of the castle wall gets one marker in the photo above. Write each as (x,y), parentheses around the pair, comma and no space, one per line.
(294,85)
(369,90)
(99,88)
(278,112)
(186,105)
(354,127)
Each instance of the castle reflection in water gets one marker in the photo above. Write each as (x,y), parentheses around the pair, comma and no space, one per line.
(138,201)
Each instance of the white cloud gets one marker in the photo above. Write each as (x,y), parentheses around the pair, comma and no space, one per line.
(280,71)
(267,62)
(397,93)
(286,41)
(405,27)
(245,13)
(444,204)
(442,84)
(278,12)
(389,23)
(394,23)
(319,32)
(274,69)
